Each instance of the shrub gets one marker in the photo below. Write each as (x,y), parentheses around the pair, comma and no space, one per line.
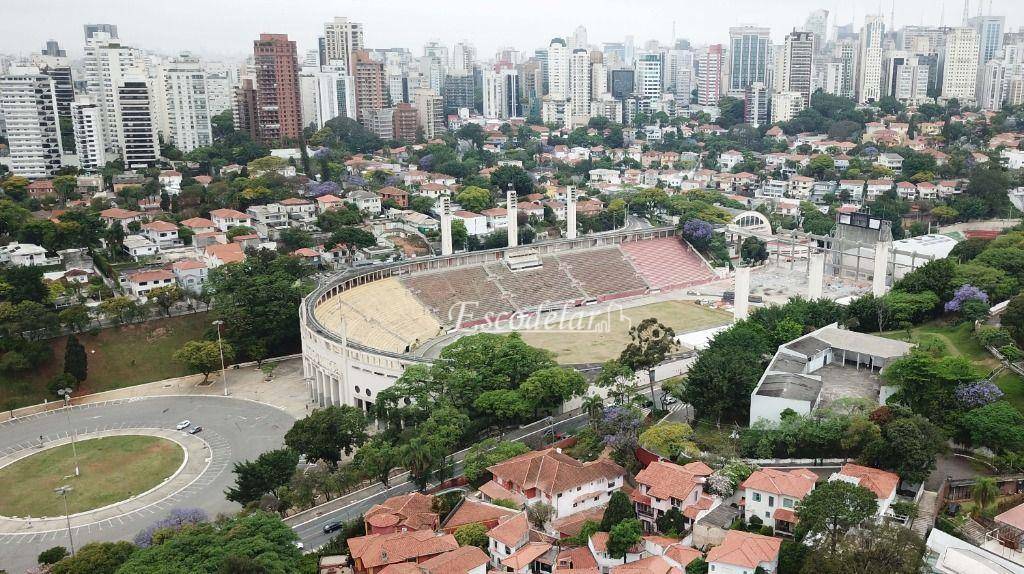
(52,555)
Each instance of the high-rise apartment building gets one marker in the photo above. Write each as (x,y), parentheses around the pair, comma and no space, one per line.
(797,61)
(869,60)
(405,122)
(326,92)
(579,85)
(786,105)
(182,103)
(501,91)
(709,76)
(219,87)
(87,123)
(429,112)
(748,57)
(558,68)
(140,146)
(846,56)
(244,111)
(106,64)
(959,64)
(907,77)
(459,91)
(371,90)
(755,105)
(342,39)
(598,75)
(278,110)
(29,103)
(648,75)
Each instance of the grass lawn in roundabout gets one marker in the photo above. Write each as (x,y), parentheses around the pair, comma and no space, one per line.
(112,468)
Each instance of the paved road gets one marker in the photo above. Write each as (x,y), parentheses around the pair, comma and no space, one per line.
(234,429)
(311,533)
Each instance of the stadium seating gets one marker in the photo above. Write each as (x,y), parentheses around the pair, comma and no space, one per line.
(667,263)
(382,314)
(541,287)
(442,291)
(602,272)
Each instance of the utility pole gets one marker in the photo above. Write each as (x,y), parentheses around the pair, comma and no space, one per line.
(66,394)
(63,492)
(220,345)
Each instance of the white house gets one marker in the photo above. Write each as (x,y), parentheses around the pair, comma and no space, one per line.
(199,225)
(772,495)
(298,208)
(598,545)
(507,537)
(191,274)
(881,482)
(743,553)
(267,220)
(138,246)
(729,159)
(24,255)
(1012,158)
(893,161)
(568,485)
(497,217)
(163,233)
(365,200)
(170,181)
(225,219)
(142,282)
(664,485)
(475,223)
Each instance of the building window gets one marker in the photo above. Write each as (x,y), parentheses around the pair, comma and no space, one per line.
(771,501)
(787,502)
(756,497)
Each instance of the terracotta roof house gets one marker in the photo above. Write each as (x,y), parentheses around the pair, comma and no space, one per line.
(507,537)
(745,552)
(565,483)
(768,490)
(463,560)
(883,483)
(412,511)
(473,512)
(373,552)
(664,485)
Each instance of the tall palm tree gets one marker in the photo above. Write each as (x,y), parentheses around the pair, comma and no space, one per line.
(594,407)
(419,457)
(984,493)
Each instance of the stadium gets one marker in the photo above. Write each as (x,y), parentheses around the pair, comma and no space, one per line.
(362,328)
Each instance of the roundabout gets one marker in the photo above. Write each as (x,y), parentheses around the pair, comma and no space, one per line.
(112,468)
(234,430)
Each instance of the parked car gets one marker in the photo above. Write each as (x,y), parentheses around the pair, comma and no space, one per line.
(184,424)
(332,527)
(195,430)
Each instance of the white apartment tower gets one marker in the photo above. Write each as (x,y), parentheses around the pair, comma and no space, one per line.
(29,102)
(709,76)
(429,112)
(960,64)
(501,91)
(786,105)
(869,60)
(579,86)
(797,61)
(87,122)
(558,68)
(182,103)
(342,39)
(219,87)
(107,62)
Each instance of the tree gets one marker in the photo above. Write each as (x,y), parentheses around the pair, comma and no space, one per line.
(881,547)
(76,361)
(650,343)
(908,447)
(420,457)
(376,459)
(620,508)
(258,537)
(166,297)
(670,439)
(539,513)
(504,405)
(96,558)
(474,199)
(76,318)
(334,219)
(52,555)
(984,493)
(488,452)
(204,356)
(753,250)
(240,565)
(354,236)
(552,386)
(177,519)
(325,433)
(1012,318)
(121,310)
(472,535)
(998,426)
(517,176)
(623,537)
(265,475)
(293,238)
(672,523)
(833,508)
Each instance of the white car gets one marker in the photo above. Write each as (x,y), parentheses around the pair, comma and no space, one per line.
(184,425)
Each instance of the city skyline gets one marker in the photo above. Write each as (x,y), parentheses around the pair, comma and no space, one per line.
(165,30)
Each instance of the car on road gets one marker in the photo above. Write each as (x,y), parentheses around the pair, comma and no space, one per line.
(195,430)
(332,527)
(184,424)
(669,400)
(299,545)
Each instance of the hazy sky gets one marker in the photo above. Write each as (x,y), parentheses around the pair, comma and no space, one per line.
(228,27)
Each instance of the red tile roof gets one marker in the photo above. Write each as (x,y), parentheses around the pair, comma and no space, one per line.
(472,512)
(458,561)
(745,549)
(881,482)
(666,480)
(528,553)
(552,472)
(413,510)
(512,530)
(796,483)
(380,549)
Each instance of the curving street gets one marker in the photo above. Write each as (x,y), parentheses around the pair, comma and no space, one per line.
(233,430)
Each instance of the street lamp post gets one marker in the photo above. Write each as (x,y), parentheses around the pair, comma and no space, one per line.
(66,394)
(220,345)
(63,491)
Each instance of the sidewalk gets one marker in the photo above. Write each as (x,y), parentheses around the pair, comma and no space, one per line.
(286,390)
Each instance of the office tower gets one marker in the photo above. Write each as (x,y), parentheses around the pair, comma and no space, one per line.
(326,92)
(869,60)
(786,105)
(501,91)
(623,83)
(748,57)
(53,49)
(920,39)
(371,94)
(342,39)
(106,63)
(29,103)
(459,91)
(679,74)
(797,60)
(396,75)
(92,29)
(531,85)
(405,122)
(321,47)
(278,112)
(833,81)
(140,146)
(219,88)
(648,76)
(579,85)
(598,75)
(817,25)
(429,112)
(990,42)
(709,76)
(614,54)
(960,64)
(244,111)
(558,68)
(87,123)
(182,103)
(755,105)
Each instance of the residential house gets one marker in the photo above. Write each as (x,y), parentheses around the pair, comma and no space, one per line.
(402,513)
(852,188)
(365,200)
(743,553)
(947,188)
(191,274)
(497,218)
(475,223)
(225,219)
(399,197)
(598,545)
(800,186)
(199,225)
(470,511)
(880,482)
(217,254)
(772,496)
(664,485)
(906,190)
(328,202)
(40,188)
(876,188)
(170,181)
(505,539)
(163,233)
(140,283)
(462,560)
(138,247)
(123,216)
(729,159)
(927,190)
(373,552)
(299,209)
(24,255)
(555,478)
(268,220)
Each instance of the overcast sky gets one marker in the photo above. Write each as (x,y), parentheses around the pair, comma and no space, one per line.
(228,27)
